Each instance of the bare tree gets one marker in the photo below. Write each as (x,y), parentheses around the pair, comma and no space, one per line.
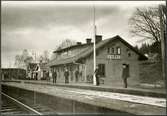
(28,59)
(25,54)
(23,59)
(17,60)
(44,57)
(66,43)
(145,22)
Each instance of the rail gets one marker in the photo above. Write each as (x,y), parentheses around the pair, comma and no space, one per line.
(22,105)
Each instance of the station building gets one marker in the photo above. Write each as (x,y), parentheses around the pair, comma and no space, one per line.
(111,54)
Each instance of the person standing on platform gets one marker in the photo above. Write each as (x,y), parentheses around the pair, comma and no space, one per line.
(47,75)
(97,75)
(66,75)
(125,74)
(54,76)
(77,74)
(36,76)
(36,72)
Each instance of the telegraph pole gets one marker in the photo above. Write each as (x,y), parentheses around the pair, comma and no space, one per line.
(94,46)
(162,29)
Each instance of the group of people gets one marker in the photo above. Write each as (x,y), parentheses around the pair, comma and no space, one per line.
(125,75)
(33,74)
(66,75)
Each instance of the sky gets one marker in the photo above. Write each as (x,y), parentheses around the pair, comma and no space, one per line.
(43,25)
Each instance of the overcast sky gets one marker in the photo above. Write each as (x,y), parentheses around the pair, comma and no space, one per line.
(42,26)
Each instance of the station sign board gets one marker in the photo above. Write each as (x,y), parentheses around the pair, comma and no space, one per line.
(113,56)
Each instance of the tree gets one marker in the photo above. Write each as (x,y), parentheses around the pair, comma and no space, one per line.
(23,59)
(150,48)
(136,47)
(155,47)
(17,60)
(66,43)
(25,54)
(44,57)
(145,48)
(145,22)
(28,59)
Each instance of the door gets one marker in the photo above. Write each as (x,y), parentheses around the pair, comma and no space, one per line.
(125,71)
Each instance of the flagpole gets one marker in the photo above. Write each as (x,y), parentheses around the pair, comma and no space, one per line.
(94,46)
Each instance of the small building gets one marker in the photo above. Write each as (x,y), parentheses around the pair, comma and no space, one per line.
(44,71)
(31,68)
(110,55)
(39,68)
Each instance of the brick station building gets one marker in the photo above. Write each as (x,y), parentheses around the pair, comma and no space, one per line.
(110,55)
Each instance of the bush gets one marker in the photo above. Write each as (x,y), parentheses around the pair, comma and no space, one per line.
(150,72)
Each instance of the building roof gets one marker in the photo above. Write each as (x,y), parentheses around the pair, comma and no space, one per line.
(89,50)
(73,46)
(60,61)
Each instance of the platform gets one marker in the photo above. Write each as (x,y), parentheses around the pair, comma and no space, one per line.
(134,104)
(151,92)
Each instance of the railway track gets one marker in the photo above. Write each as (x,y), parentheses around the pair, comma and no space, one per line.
(11,106)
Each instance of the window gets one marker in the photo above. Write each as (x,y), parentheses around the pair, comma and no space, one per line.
(128,52)
(118,50)
(112,50)
(108,50)
(102,69)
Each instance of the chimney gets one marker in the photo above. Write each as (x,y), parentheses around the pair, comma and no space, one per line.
(79,43)
(98,38)
(88,40)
